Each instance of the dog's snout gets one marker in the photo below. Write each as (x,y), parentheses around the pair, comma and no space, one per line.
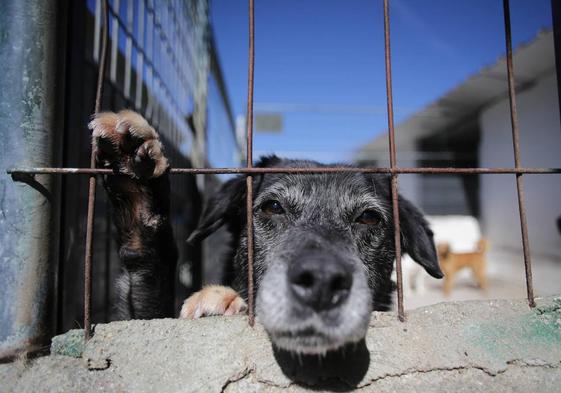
(320,281)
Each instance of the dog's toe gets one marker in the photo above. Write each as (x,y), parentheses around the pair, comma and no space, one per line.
(213,300)
(149,161)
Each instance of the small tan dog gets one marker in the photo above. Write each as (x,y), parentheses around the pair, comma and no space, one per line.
(451,263)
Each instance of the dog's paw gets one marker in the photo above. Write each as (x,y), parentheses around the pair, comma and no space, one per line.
(126,142)
(213,300)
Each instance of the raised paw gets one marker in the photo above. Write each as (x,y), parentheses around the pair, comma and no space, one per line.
(126,142)
(213,300)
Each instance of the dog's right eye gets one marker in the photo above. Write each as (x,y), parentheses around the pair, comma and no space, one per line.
(369,217)
(272,207)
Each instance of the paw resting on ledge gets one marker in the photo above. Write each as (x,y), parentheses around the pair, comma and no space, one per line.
(213,300)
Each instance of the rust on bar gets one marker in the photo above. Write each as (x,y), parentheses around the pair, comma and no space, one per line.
(393,164)
(250,84)
(250,287)
(323,169)
(389,92)
(249,161)
(88,259)
(397,240)
(92,185)
(516,148)
(101,72)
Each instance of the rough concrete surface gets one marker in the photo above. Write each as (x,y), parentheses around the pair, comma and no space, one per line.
(478,346)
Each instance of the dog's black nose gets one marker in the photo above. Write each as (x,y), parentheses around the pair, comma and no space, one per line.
(320,281)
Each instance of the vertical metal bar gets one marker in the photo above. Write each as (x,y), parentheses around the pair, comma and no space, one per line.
(249,179)
(391,135)
(556,22)
(516,147)
(101,65)
(91,191)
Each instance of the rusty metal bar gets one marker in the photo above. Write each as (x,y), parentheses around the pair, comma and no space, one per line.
(92,186)
(517,164)
(250,288)
(249,179)
(393,163)
(326,169)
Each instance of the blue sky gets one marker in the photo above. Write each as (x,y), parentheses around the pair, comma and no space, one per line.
(329,53)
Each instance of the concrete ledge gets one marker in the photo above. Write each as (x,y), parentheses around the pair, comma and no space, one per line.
(487,346)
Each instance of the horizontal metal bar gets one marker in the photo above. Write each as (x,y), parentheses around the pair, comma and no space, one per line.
(342,169)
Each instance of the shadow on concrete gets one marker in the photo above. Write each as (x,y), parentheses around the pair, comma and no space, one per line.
(339,371)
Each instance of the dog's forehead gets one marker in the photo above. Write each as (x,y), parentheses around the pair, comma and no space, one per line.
(338,189)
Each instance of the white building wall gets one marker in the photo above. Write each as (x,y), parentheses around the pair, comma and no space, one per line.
(540,139)
(409,184)
(409,187)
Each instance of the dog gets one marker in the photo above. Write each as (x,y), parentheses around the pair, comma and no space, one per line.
(452,262)
(323,243)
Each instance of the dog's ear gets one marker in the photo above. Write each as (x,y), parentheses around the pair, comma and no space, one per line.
(268,161)
(227,204)
(417,238)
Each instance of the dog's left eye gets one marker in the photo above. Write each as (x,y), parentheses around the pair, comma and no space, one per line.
(272,207)
(369,217)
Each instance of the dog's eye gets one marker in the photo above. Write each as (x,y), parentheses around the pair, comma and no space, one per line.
(369,217)
(272,207)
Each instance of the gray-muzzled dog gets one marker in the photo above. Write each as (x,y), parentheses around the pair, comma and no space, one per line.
(323,243)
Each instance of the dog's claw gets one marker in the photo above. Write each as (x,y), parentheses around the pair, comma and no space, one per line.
(212,300)
(126,141)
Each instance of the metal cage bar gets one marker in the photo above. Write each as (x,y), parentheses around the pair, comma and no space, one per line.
(321,169)
(516,149)
(393,161)
(92,185)
(249,170)
(249,162)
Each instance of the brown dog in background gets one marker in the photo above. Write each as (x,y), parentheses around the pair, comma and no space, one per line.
(451,263)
